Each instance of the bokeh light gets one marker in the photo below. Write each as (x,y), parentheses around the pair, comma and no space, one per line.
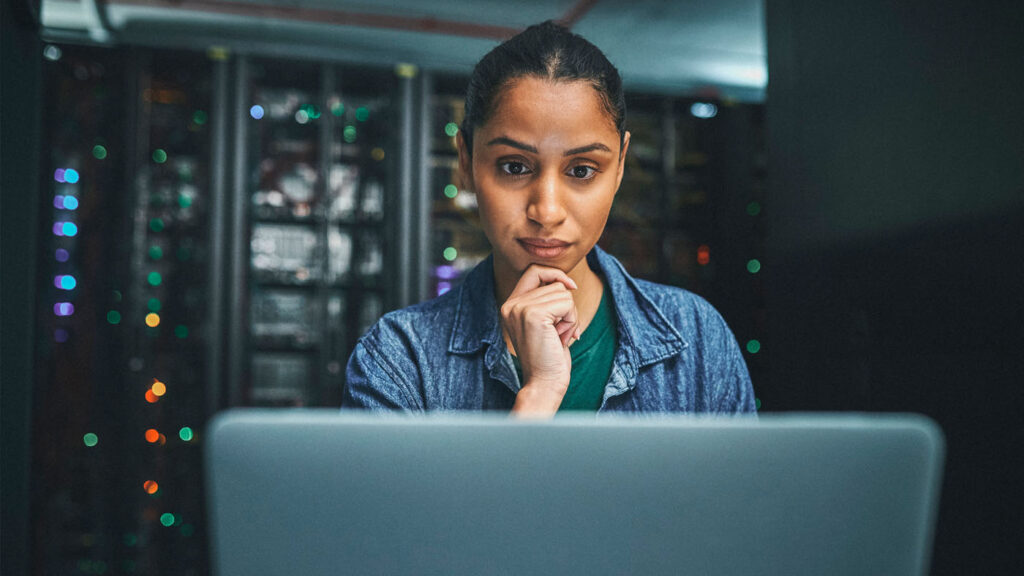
(71,176)
(158,388)
(150,487)
(450,253)
(62,255)
(90,439)
(703,255)
(199,117)
(753,346)
(167,519)
(451,191)
(151,398)
(362,114)
(186,434)
(754,208)
(349,134)
(154,279)
(156,253)
(153,305)
(114,317)
(256,112)
(63,308)
(754,266)
(451,128)
(153,320)
(65,282)
(181,331)
(152,435)
(159,156)
(99,152)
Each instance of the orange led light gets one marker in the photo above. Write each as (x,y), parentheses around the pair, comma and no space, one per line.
(152,436)
(159,388)
(150,487)
(152,319)
(703,255)
(162,440)
(151,398)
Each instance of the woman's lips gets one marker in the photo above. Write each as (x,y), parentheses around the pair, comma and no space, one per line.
(544,247)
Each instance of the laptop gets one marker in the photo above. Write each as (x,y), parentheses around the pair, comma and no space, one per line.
(312,492)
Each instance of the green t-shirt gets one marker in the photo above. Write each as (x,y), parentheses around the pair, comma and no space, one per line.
(591,360)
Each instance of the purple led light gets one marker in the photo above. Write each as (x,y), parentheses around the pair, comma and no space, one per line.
(58,228)
(63,308)
(62,255)
(446,272)
(443,287)
(58,201)
(60,335)
(58,175)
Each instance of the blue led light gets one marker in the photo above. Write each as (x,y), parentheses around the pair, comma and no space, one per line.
(63,308)
(68,229)
(71,176)
(65,282)
(70,203)
(443,287)
(256,112)
(704,110)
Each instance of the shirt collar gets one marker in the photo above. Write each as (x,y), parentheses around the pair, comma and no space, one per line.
(649,336)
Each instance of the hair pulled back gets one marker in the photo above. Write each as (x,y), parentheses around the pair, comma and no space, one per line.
(548,51)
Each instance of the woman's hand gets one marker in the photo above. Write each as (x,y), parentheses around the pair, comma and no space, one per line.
(540,321)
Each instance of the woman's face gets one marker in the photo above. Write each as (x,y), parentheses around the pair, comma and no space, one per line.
(545,168)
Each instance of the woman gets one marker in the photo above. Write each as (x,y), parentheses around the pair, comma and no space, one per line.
(549,321)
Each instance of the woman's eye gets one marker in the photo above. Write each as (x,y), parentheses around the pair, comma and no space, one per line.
(514,168)
(582,172)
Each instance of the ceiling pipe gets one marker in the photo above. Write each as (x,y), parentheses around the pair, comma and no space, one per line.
(348,18)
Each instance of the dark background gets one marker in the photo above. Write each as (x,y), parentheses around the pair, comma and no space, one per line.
(893,273)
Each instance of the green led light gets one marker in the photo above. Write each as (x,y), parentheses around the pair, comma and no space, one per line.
(117,296)
(450,253)
(184,201)
(154,279)
(311,111)
(362,114)
(187,530)
(90,439)
(753,346)
(199,117)
(159,156)
(754,266)
(186,434)
(451,190)
(181,331)
(114,317)
(167,519)
(338,109)
(349,133)
(183,253)
(130,539)
(156,253)
(99,152)
(451,128)
(754,208)
(153,304)
(757,403)
(156,224)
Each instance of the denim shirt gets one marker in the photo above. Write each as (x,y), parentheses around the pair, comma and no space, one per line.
(675,352)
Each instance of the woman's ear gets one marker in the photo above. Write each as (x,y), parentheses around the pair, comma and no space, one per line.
(465,161)
(622,161)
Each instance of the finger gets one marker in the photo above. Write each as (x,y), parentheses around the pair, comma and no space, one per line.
(536,276)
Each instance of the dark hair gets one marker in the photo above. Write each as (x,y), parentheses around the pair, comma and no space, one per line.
(550,51)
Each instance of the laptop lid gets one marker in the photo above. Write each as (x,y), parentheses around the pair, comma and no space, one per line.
(317,492)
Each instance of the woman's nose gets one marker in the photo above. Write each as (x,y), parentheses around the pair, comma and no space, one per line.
(546,205)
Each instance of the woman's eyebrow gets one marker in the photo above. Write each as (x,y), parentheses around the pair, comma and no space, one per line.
(587,148)
(510,142)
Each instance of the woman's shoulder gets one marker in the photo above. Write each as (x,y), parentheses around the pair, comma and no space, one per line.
(427,320)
